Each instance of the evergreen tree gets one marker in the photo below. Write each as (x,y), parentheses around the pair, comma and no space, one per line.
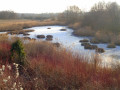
(18,54)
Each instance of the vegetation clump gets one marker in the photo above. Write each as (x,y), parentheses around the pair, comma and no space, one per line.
(24,32)
(40,36)
(84,40)
(94,41)
(63,29)
(90,46)
(27,38)
(49,37)
(85,43)
(100,50)
(111,46)
(48,28)
(56,44)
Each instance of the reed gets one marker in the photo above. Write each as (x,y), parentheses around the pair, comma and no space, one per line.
(53,68)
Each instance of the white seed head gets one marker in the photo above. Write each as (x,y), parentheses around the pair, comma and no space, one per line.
(1,73)
(21,88)
(4,80)
(11,88)
(3,67)
(0,70)
(9,67)
(17,74)
(8,77)
(15,89)
(14,84)
(16,65)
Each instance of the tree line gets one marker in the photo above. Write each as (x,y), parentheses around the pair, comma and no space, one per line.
(8,15)
(102,16)
(13,15)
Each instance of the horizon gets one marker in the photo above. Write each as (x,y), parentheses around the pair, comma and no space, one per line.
(53,6)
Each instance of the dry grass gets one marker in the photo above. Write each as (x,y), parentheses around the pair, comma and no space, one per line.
(13,25)
(20,32)
(86,31)
(53,68)
(76,25)
(10,25)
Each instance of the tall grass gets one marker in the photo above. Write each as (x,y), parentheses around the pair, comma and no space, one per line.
(13,25)
(53,68)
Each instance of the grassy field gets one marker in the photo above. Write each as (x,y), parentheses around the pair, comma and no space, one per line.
(13,25)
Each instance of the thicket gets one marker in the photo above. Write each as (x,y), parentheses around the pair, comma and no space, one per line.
(102,17)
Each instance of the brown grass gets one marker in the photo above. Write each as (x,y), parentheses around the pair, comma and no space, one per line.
(76,25)
(13,25)
(84,32)
(53,68)
(20,31)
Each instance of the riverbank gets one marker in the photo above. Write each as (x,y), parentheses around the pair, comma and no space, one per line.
(53,68)
(99,36)
(15,25)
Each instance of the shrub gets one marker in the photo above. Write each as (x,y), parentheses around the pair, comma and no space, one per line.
(17,53)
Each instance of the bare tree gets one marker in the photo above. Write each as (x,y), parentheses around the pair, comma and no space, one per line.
(72,14)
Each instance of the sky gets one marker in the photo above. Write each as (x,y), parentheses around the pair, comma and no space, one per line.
(47,6)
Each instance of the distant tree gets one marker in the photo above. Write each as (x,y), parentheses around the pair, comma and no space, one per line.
(8,15)
(113,10)
(72,14)
(103,17)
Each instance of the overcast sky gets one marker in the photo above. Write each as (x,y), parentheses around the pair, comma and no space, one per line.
(43,6)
